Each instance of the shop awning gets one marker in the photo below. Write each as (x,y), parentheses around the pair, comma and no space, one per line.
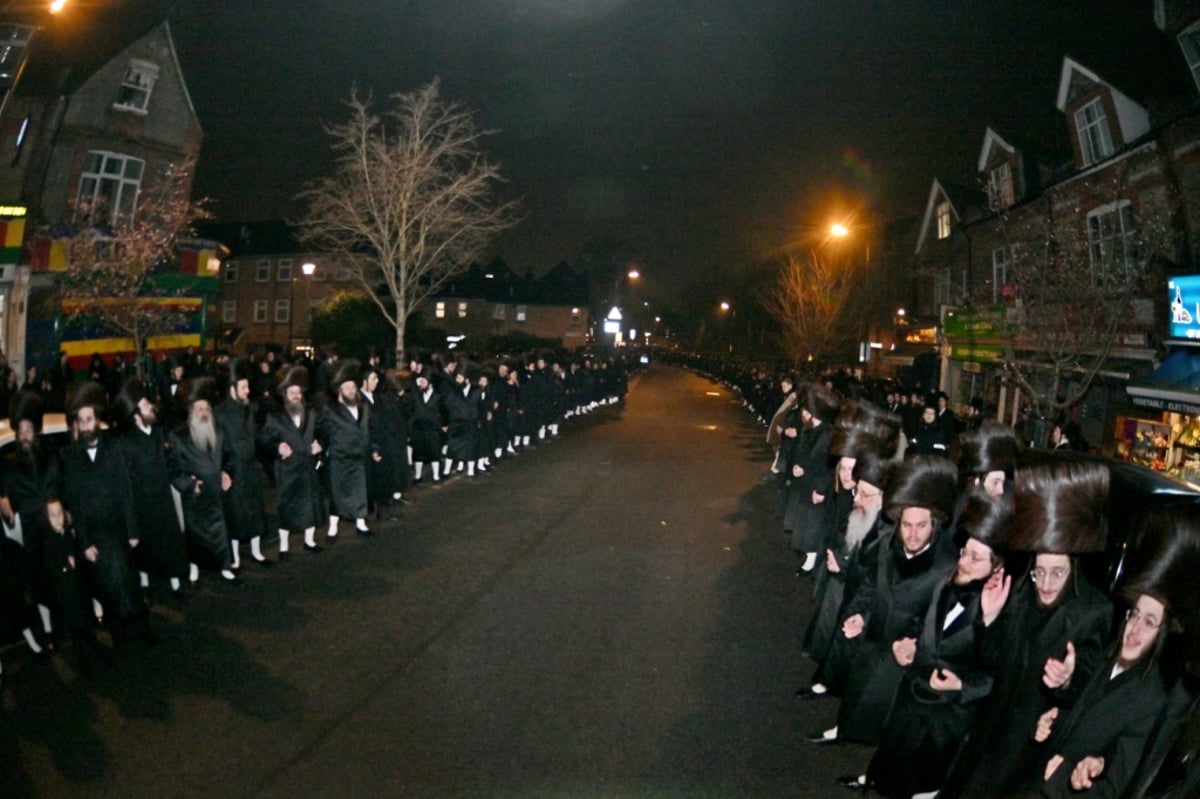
(1174,386)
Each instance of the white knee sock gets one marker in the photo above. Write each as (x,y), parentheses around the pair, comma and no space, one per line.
(333,525)
(418,468)
(283,540)
(34,646)
(193,572)
(45,614)
(235,548)
(256,547)
(310,536)
(175,583)
(144,579)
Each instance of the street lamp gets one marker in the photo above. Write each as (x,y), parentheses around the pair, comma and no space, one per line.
(308,268)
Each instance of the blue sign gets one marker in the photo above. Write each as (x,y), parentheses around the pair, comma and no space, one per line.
(1183,296)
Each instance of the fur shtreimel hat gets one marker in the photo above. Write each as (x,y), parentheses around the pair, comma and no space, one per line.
(240,369)
(294,376)
(200,389)
(28,406)
(872,469)
(861,425)
(991,448)
(348,371)
(1165,562)
(87,394)
(924,481)
(125,404)
(1060,509)
(821,402)
(986,519)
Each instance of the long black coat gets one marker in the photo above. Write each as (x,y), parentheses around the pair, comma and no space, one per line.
(297,484)
(99,497)
(926,727)
(804,520)
(203,509)
(162,550)
(1000,749)
(245,513)
(348,447)
(389,431)
(840,651)
(425,414)
(29,479)
(60,567)
(890,600)
(462,416)
(829,591)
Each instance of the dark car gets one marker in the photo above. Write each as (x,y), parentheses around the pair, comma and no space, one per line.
(1135,491)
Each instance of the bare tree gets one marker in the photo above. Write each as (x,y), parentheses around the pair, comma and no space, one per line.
(812,301)
(114,259)
(1077,284)
(409,206)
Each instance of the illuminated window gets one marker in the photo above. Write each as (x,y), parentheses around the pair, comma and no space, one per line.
(1001,186)
(284,273)
(439,310)
(283,310)
(576,317)
(943,219)
(521,313)
(109,185)
(1095,139)
(231,271)
(1001,258)
(134,94)
(229,311)
(1110,242)
(260,311)
(262,271)
(462,310)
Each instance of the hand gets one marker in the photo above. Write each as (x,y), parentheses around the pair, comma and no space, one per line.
(1052,766)
(831,563)
(199,485)
(91,553)
(904,650)
(133,542)
(1057,673)
(285,451)
(1085,771)
(226,481)
(817,499)
(797,471)
(1044,725)
(994,596)
(375,456)
(944,680)
(853,626)
(316,448)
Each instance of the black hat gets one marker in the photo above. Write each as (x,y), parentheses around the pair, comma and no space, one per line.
(294,376)
(924,481)
(821,402)
(199,389)
(1060,509)
(872,469)
(27,405)
(125,404)
(348,371)
(1165,562)
(240,369)
(986,519)
(991,448)
(861,425)
(87,394)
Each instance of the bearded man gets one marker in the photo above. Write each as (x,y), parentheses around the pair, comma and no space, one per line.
(197,472)
(290,434)
(236,420)
(344,430)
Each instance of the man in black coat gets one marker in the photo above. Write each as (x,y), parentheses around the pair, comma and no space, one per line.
(196,462)
(290,435)
(96,491)
(810,476)
(344,430)
(237,426)
(162,551)
(919,498)
(426,414)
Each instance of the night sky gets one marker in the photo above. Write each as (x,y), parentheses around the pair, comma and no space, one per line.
(690,135)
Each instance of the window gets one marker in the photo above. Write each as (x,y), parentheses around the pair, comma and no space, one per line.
(283,310)
(462,310)
(1095,140)
(343,274)
(229,312)
(1001,186)
(319,274)
(231,271)
(284,273)
(260,311)
(109,185)
(943,219)
(576,317)
(1189,42)
(262,271)
(521,313)
(499,311)
(134,94)
(13,41)
(1001,258)
(439,310)
(1110,242)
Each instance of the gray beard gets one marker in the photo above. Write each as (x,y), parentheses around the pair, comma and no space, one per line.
(204,434)
(857,527)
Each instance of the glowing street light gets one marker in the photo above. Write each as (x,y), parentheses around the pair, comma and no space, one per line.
(725,306)
(838,230)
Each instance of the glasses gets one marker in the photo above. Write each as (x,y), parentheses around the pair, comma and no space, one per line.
(975,557)
(867,494)
(1055,575)
(1133,616)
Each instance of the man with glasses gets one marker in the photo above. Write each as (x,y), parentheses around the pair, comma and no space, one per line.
(1051,636)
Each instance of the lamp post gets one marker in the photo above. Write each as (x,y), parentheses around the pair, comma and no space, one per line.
(631,275)
(308,267)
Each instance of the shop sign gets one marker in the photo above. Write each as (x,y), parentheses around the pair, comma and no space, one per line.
(1159,404)
(975,334)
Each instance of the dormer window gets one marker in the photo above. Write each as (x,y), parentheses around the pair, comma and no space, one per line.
(1189,42)
(136,86)
(1095,139)
(1000,186)
(943,219)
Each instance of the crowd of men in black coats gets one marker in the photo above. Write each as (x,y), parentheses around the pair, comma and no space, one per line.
(953,620)
(163,479)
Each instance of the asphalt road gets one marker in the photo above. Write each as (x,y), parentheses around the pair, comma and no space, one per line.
(610,615)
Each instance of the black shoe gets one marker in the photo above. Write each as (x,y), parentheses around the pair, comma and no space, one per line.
(365,533)
(284,557)
(230,576)
(316,549)
(403,501)
(809,693)
(819,739)
(266,564)
(853,783)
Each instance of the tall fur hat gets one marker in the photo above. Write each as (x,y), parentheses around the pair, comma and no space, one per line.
(1165,562)
(87,394)
(348,371)
(870,468)
(821,402)
(850,443)
(986,519)
(1060,509)
(240,369)
(924,481)
(294,376)
(199,389)
(125,404)
(991,448)
(27,405)
(861,425)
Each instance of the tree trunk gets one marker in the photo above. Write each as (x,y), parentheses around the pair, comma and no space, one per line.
(400,356)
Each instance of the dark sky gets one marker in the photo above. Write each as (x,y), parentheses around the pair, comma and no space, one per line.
(690,134)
